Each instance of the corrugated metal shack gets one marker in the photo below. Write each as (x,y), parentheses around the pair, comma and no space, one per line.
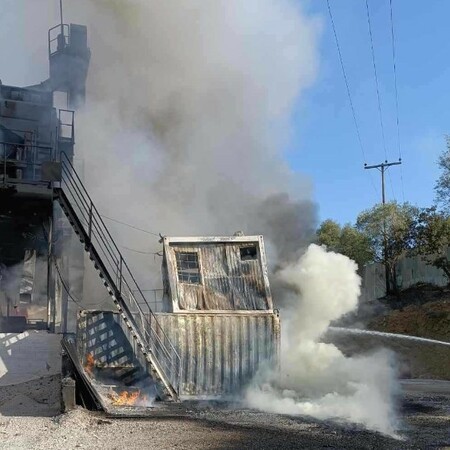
(215,273)
(218,312)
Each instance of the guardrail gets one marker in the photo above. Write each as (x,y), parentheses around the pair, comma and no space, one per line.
(21,163)
(154,300)
(58,38)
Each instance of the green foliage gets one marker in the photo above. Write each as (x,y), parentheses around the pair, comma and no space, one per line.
(329,233)
(432,238)
(389,230)
(356,245)
(389,225)
(442,186)
(346,240)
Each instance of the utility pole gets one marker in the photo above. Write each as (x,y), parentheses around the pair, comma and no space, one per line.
(382,168)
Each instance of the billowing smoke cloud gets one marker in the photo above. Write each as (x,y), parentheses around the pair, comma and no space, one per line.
(316,378)
(187,116)
(188,113)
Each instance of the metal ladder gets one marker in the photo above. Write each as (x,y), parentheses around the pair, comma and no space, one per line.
(152,345)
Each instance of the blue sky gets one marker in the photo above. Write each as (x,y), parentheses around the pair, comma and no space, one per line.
(325,145)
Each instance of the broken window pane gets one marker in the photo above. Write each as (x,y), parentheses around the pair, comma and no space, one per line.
(248,253)
(188,268)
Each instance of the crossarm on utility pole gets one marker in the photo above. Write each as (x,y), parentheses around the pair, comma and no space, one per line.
(382,168)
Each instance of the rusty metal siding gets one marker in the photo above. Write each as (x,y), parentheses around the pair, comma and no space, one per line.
(221,352)
(227,282)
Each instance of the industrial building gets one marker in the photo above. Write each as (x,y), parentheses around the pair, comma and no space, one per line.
(35,241)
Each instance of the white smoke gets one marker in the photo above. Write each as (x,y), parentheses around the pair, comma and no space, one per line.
(316,378)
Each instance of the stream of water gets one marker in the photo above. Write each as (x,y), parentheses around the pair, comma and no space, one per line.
(386,335)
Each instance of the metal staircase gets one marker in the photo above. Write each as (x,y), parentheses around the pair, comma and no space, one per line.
(152,346)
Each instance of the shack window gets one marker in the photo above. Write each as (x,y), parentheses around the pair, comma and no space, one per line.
(188,268)
(248,253)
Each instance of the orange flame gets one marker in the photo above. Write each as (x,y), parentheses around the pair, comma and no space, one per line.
(89,366)
(126,398)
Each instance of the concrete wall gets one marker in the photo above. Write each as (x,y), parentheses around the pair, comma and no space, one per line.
(28,356)
(410,271)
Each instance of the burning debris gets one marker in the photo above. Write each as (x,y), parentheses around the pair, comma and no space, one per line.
(129,398)
(90,364)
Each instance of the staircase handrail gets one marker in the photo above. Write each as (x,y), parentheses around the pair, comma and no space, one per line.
(154,337)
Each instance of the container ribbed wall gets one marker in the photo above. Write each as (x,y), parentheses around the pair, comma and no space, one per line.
(221,352)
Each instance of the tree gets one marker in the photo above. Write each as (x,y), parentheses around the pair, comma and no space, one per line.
(329,233)
(432,238)
(442,186)
(388,228)
(346,240)
(356,246)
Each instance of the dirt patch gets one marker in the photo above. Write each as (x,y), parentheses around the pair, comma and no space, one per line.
(40,397)
(430,320)
(424,311)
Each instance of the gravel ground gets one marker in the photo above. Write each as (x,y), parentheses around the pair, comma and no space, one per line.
(425,415)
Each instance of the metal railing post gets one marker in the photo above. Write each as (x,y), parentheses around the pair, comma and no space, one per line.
(73,126)
(4,165)
(90,222)
(120,275)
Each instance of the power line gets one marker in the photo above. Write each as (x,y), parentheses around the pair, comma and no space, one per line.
(67,289)
(396,96)
(141,252)
(395,79)
(392,186)
(63,282)
(348,92)
(346,82)
(131,226)
(376,80)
